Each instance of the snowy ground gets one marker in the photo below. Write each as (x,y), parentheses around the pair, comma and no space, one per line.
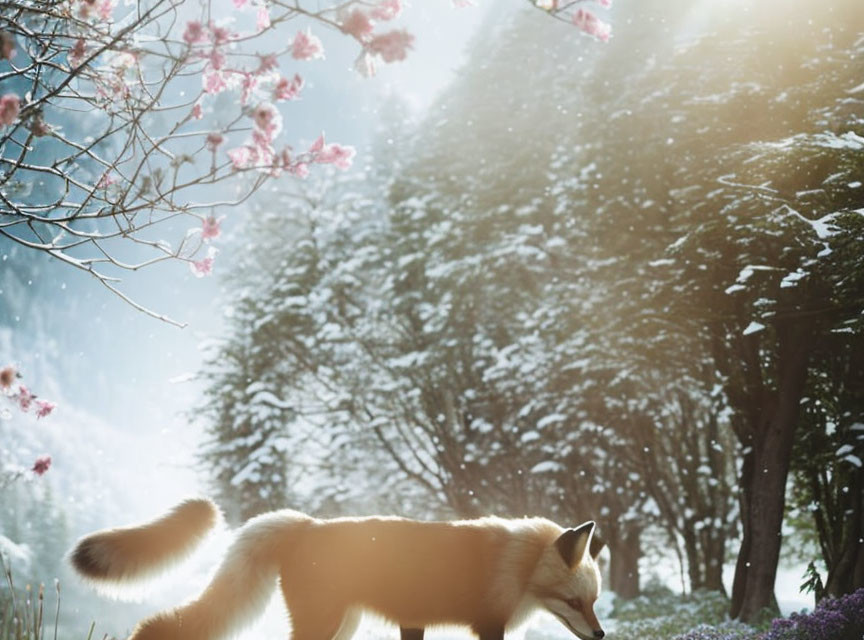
(274,624)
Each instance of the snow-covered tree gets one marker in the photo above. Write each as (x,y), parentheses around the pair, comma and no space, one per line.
(574,304)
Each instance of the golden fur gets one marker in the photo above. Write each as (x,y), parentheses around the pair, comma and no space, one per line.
(133,553)
(487,574)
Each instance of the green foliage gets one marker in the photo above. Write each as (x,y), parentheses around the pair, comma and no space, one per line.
(813,582)
(24,614)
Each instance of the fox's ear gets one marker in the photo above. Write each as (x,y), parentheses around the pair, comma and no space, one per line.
(596,546)
(572,543)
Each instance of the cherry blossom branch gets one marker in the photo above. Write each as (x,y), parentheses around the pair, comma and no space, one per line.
(21,396)
(101,140)
(572,12)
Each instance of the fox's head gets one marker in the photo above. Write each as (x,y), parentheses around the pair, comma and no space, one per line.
(566,581)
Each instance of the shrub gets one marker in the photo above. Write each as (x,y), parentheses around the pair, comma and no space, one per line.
(660,613)
(833,619)
(728,630)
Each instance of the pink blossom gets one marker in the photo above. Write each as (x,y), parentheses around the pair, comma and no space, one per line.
(214,140)
(106,8)
(391,46)
(194,32)
(298,168)
(242,157)
(7,46)
(41,465)
(592,25)
(7,376)
(106,180)
(10,105)
(387,10)
(124,60)
(24,397)
(306,46)
(77,53)
(111,87)
(286,89)
(203,267)
(337,155)
(85,7)
(262,18)
(267,119)
(247,85)
(258,152)
(285,159)
(214,82)
(240,4)
(357,24)
(318,145)
(605,3)
(365,64)
(210,227)
(333,153)
(39,128)
(44,408)
(220,35)
(215,60)
(197,111)
(268,63)
(262,151)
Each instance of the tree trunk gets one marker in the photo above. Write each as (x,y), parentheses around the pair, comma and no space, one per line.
(714,537)
(846,571)
(694,559)
(768,450)
(715,546)
(741,564)
(756,569)
(705,551)
(624,551)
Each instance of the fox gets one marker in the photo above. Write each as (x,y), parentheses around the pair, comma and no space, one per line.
(488,574)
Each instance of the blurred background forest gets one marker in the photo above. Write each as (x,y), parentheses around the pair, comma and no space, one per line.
(619,282)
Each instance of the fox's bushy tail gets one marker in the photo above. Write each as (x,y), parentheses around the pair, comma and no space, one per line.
(130,554)
(237,593)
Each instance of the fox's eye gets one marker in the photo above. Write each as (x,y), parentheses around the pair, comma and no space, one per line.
(574,603)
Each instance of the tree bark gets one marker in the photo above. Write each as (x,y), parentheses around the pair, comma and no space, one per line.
(715,552)
(768,449)
(846,566)
(694,559)
(624,552)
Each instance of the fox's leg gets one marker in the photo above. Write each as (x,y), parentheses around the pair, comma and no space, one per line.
(350,622)
(317,625)
(490,633)
(314,617)
(410,634)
